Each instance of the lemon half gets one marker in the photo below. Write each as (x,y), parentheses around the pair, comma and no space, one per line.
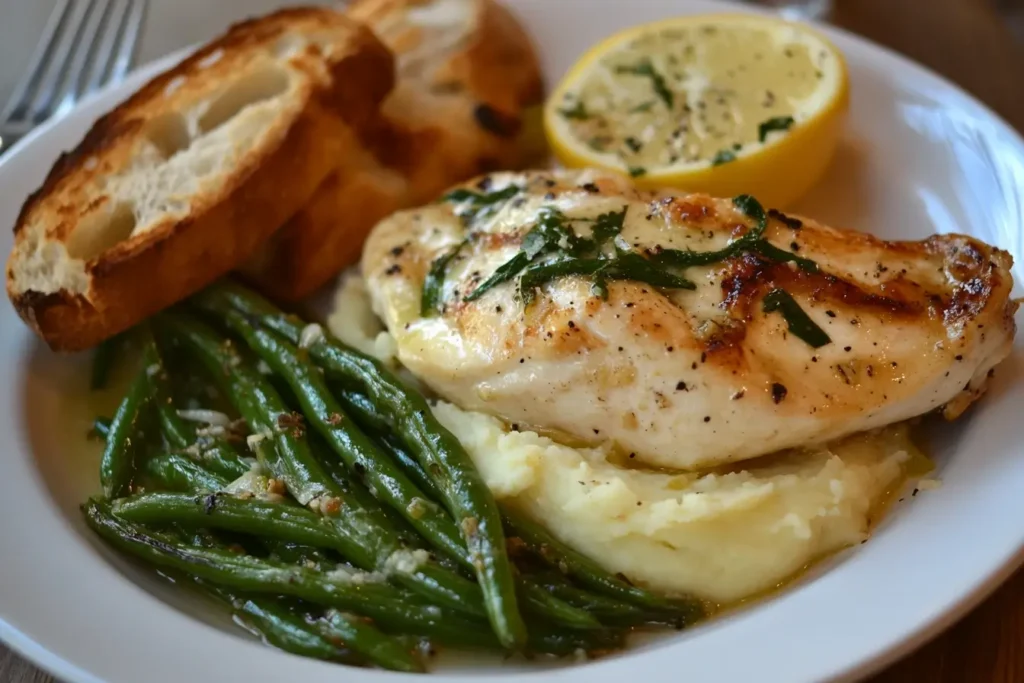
(723,104)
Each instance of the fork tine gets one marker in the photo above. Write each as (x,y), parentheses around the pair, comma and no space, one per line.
(108,45)
(85,51)
(43,102)
(129,39)
(15,111)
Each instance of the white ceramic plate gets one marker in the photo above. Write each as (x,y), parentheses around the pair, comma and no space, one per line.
(919,156)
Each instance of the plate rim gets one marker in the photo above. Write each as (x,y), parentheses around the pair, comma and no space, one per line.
(41,655)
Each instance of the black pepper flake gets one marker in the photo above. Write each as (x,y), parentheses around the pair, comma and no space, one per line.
(632,455)
(830,314)
(794,246)
(522,360)
(621,349)
(629,305)
(549,196)
(484,184)
(739,394)
(814,359)
(957,357)
(703,356)
(572,325)
(707,418)
(671,349)
(681,386)
(597,431)
(515,427)
(694,366)
(591,187)
(394,269)
(778,392)
(847,348)
(788,221)
(397,251)
(498,309)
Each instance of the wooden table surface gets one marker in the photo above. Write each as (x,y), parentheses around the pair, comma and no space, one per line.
(968,42)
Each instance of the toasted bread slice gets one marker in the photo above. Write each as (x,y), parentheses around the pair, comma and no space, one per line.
(185,180)
(330,230)
(467,78)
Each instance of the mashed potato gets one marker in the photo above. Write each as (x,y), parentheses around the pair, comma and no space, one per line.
(721,535)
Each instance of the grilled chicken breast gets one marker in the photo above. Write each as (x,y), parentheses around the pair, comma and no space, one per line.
(810,334)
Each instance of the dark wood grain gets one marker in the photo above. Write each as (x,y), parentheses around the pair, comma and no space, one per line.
(968,43)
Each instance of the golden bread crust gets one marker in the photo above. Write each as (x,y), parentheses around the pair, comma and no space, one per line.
(338,78)
(457,110)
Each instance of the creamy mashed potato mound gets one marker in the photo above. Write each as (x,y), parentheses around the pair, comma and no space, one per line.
(721,535)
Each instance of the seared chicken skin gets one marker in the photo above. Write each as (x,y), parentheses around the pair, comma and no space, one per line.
(820,334)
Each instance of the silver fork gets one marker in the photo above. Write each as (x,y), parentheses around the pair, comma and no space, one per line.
(85,45)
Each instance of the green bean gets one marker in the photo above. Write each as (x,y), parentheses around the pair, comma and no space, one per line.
(390,606)
(281,626)
(293,524)
(464,492)
(265,519)
(178,473)
(214,452)
(599,605)
(277,626)
(539,602)
(366,416)
(349,483)
(296,553)
(103,361)
(125,438)
(564,643)
(368,536)
(386,481)
(364,412)
(265,617)
(385,652)
(608,610)
(589,573)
